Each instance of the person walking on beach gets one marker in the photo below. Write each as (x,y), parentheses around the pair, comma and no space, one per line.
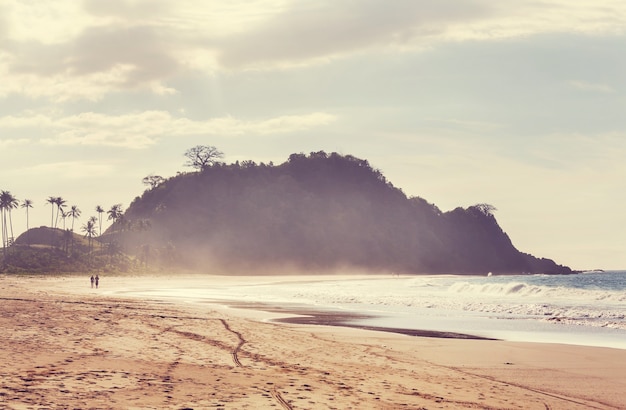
(97,281)
(92,280)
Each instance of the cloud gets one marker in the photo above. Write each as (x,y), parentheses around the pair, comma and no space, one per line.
(140,130)
(4,30)
(69,50)
(8,143)
(326,28)
(120,57)
(127,9)
(306,33)
(36,120)
(597,152)
(142,48)
(592,87)
(99,55)
(68,169)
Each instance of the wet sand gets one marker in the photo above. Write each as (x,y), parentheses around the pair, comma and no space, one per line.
(307,316)
(67,346)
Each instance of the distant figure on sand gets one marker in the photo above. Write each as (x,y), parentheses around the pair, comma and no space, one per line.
(92,279)
(97,281)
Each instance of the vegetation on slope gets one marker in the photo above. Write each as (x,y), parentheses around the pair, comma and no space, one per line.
(317,212)
(53,250)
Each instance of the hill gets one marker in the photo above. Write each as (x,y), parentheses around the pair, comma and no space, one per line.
(54,250)
(316,212)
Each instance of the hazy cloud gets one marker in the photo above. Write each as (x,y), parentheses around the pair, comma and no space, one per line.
(587,151)
(68,50)
(308,32)
(99,50)
(127,9)
(24,121)
(4,30)
(593,87)
(69,169)
(311,30)
(140,130)
(98,56)
(11,142)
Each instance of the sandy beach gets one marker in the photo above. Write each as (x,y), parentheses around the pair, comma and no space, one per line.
(65,345)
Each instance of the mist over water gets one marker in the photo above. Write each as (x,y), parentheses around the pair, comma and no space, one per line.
(585,309)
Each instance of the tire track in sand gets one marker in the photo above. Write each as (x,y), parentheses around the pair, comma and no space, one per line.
(234,354)
(242,341)
(274,392)
(276,395)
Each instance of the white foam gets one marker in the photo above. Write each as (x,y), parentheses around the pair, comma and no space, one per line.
(526,290)
(484,308)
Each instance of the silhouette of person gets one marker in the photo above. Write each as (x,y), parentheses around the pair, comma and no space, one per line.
(97,281)
(92,280)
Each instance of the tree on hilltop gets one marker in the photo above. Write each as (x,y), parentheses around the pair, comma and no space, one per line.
(485,209)
(201,157)
(153,180)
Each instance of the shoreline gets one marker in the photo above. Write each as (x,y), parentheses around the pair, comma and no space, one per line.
(318,317)
(402,307)
(236,291)
(64,344)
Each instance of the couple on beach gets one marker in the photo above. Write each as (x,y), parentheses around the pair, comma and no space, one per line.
(95,280)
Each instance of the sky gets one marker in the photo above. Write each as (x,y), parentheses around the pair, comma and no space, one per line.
(519,104)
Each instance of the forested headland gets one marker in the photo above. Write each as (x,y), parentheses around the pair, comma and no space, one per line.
(313,213)
(316,212)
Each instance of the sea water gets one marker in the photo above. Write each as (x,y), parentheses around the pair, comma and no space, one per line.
(585,309)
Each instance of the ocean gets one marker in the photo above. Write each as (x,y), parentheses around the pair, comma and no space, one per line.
(583,309)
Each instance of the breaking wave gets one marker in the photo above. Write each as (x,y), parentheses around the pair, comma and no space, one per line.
(518,289)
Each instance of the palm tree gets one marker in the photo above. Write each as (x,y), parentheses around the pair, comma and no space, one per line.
(115,214)
(26,204)
(52,201)
(90,231)
(100,211)
(64,216)
(60,203)
(74,213)
(3,222)
(7,203)
(13,204)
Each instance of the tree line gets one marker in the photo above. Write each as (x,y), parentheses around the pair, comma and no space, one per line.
(198,157)
(60,212)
